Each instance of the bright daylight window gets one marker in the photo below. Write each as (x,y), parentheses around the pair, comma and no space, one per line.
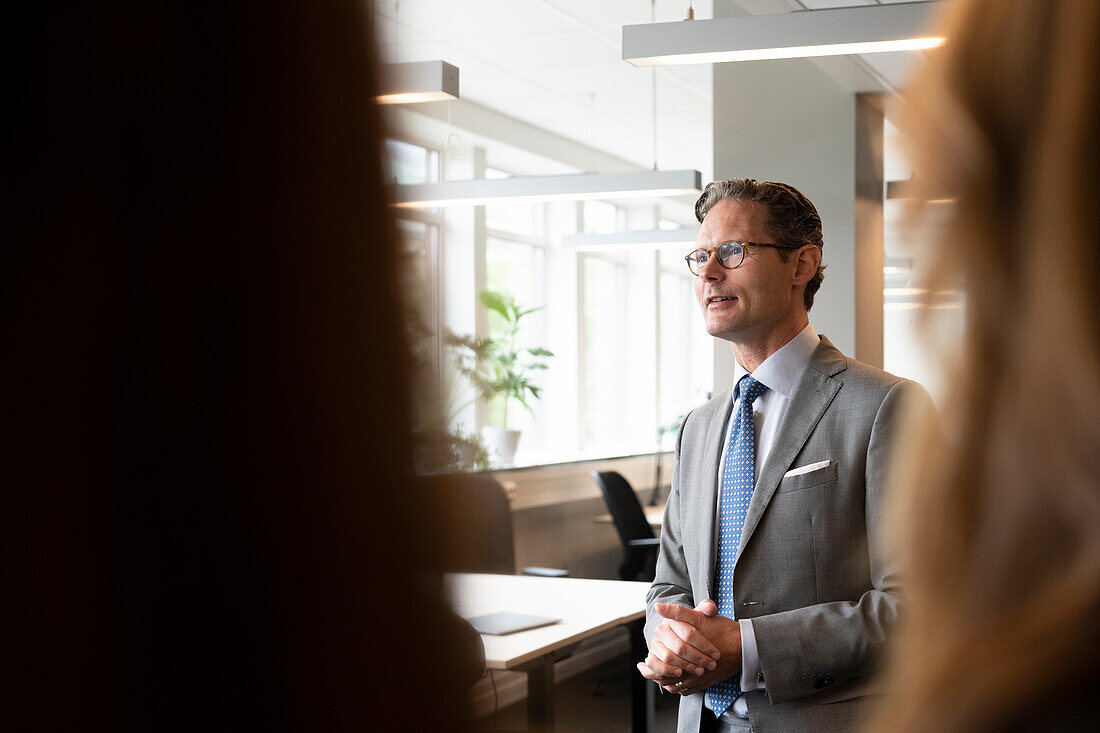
(602,217)
(517,268)
(603,332)
(685,347)
(630,355)
(408,163)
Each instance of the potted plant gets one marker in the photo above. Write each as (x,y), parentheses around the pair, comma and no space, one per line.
(440,444)
(501,372)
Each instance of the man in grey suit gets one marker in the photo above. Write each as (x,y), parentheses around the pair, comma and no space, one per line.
(774,592)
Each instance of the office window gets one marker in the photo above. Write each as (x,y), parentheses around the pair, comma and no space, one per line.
(409,163)
(518,219)
(684,349)
(518,268)
(603,356)
(420,250)
(603,217)
(613,378)
(623,325)
(516,264)
(419,258)
(521,218)
(418,253)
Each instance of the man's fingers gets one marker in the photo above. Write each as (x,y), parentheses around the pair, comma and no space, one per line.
(687,642)
(707,608)
(665,663)
(676,612)
(649,674)
(677,687)
(665,648)
(692,646)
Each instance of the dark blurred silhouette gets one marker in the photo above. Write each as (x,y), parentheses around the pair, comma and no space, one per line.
(1000,522)
(207,514)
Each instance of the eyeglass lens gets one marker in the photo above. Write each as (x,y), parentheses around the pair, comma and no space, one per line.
(729,255)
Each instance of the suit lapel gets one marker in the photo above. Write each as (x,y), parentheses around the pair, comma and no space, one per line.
(816,390)
(708,501)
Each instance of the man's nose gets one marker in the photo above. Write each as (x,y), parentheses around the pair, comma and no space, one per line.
(711,270)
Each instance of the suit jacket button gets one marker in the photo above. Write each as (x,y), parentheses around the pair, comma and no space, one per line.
(822,681)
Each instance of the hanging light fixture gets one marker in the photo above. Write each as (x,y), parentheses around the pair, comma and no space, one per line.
(418,81)
(830,32)
(578,187)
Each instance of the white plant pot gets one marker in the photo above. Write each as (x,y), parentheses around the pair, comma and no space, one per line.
(466,455)
(500,443)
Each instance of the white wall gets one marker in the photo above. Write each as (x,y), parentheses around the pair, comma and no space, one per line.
(789,121)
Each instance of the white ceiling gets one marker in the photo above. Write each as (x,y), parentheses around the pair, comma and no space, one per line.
(557,64)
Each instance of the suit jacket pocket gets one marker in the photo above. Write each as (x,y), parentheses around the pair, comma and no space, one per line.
(803,481)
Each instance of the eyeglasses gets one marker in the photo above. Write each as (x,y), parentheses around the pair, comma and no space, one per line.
(730,254)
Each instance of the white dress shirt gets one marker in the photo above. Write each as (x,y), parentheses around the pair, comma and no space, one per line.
(780,373)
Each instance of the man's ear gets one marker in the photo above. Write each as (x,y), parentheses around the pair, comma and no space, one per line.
(809,259)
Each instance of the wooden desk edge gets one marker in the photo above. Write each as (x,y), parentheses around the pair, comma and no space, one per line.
(581,636)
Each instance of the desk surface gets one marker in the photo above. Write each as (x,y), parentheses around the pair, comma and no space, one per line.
(585,607)
(655,515)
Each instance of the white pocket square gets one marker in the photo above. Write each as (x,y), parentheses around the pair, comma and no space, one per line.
(806,469)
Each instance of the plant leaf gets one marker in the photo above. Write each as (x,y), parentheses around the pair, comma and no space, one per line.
(498,302)
(521,312)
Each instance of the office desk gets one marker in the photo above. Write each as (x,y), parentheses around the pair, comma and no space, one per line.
(655,515)
(585,607)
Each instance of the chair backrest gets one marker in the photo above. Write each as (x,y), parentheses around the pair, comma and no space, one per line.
(475,518)
(622,502)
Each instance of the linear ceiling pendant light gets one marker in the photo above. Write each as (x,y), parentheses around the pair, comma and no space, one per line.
(582,186)
(648,239)
(832,32)
(418,81)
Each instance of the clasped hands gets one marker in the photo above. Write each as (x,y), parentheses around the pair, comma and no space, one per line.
(692,648)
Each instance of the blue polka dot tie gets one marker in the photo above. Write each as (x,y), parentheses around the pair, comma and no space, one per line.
(738,479)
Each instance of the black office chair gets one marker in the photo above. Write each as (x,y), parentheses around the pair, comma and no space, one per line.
(476,518)
(639,543)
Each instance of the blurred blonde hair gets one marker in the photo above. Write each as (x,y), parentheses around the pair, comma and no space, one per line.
(999,519)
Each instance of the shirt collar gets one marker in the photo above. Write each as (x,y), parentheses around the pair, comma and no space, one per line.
(781,371)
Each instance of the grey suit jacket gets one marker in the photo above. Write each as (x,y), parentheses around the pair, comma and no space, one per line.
(813,572)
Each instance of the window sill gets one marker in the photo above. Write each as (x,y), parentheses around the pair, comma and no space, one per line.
(529,487)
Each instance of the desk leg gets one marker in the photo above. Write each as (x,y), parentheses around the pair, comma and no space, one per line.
(540,698)
(540,688)
(643,715)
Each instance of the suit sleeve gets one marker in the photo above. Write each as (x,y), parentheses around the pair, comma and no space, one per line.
(805,651)
(671,583)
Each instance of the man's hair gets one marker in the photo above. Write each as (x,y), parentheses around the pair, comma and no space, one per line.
(789,216)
